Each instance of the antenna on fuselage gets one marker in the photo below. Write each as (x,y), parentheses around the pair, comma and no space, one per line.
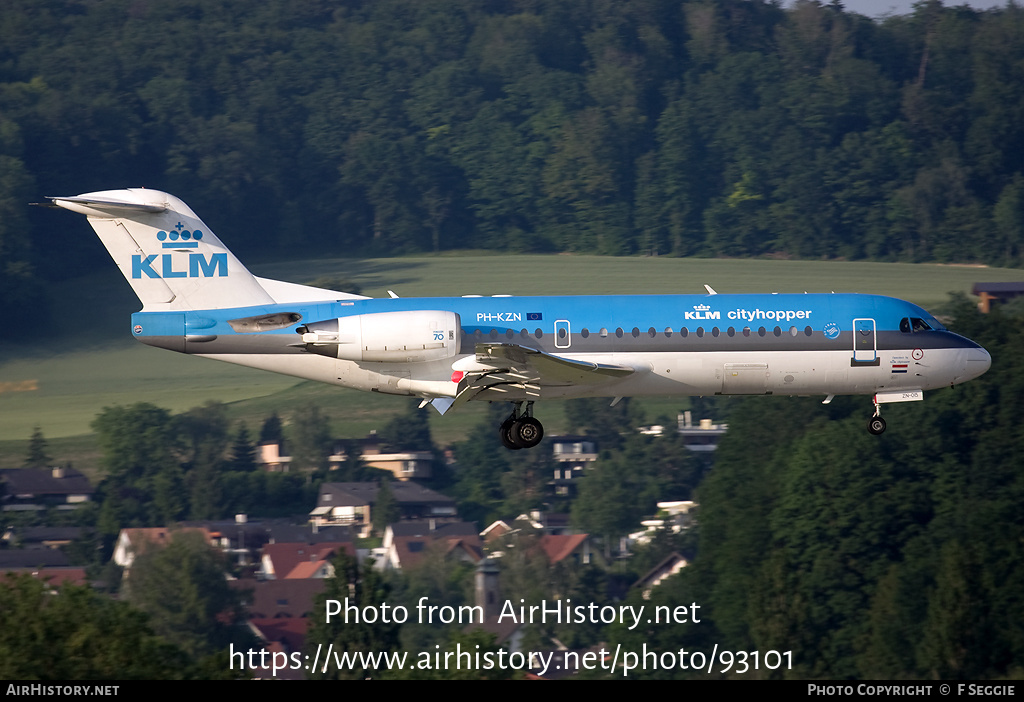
(711,290)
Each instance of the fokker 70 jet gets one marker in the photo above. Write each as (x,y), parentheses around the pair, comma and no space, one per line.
(197,298)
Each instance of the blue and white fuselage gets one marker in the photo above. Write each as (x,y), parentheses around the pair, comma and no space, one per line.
(199,299)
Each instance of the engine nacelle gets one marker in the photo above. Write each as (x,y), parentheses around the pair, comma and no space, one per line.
(387,337)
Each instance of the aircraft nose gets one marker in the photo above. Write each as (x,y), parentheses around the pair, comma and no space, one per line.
(978,361)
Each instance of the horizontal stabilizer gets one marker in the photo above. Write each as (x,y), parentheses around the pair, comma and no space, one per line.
(97,207)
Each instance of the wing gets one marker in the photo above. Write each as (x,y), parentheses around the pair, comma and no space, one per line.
(511,366)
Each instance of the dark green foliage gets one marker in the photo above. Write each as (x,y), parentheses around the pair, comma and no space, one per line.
(181,585)
(309,437)
(37,456)
(141,454)
(409,431)
(243,452)
(625,485)
(272,429)
(386,509)
(362,587)
(77,634)
(728,129)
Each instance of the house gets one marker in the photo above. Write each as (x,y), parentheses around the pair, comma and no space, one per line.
(702,438)
(351,504)
(573,456)
(34,490)
(271,456)
(30,537)
(403,465)
(280,599)
(282,639)
(669,566)
(495,531)
(989,293)
(131,542)
(567,548)
(290,561)
(406,544)
(35,559)
(54,577)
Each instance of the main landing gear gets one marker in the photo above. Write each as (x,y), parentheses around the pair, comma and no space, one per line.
(876,425)
(521,430)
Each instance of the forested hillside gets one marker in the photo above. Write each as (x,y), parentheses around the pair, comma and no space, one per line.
(702,127)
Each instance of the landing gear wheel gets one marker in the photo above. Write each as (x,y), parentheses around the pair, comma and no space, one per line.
(505,432)
(876,425)
(526,432)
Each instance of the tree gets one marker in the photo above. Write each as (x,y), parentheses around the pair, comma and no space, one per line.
(351,632)
(74,633)
(271,429)
(183,588)
(310,439)
(409,431)
(386,509)
(37,456)
(243,453)
(141,452)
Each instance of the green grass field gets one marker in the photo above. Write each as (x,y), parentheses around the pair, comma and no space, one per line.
(61,377)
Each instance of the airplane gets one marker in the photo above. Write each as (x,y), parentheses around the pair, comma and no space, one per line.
(197,298)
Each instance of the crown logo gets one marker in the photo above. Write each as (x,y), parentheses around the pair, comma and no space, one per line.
(180,238)
(701,308)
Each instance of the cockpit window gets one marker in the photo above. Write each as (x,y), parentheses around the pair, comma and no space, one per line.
(909,325)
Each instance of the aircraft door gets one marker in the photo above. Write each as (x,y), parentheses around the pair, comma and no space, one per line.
(864,349)
(563,336)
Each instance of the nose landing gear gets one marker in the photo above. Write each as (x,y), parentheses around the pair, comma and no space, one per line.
(876,425)
(521,430)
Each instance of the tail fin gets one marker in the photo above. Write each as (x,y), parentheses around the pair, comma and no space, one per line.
(169,257)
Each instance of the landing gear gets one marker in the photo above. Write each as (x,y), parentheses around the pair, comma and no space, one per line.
(521,430)
(876,425)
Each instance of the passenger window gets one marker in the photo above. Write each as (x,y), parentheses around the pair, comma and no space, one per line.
(635,332)
(700,332)
(715,332)
(585,333)
(618,332)
(652,332)
(668,331)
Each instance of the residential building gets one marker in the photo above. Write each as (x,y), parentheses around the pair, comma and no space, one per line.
(33,489)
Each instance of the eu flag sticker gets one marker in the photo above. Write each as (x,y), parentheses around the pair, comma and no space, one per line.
(534,316)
